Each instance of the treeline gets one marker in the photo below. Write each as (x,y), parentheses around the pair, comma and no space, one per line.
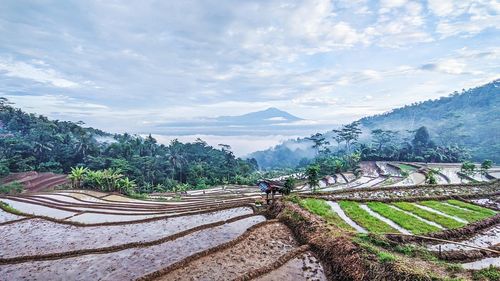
(30,142)
(413,146)
(467,119)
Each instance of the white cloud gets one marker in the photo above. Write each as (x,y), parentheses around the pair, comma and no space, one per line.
(387,5)
(465,17)
(41,74)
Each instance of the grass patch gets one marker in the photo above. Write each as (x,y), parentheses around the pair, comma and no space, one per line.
(385,257)
(139,196)
(402,219)
(491,273)
(363,218)
(321,208)
(439,219)
(472,207)
(372,243)
(407,168)
(467,215)
(8,208)
(11,188)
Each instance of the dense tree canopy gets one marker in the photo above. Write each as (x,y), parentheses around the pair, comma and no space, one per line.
(30,142)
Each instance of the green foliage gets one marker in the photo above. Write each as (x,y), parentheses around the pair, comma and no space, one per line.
(294,198)
(289,185)
(385,257)
(76,176)
(312,173)
(9,208)
(485,166)
(463,119)
(363,218)
(475,208)
(430,176)
(321,208)
(140,196)
(430,216)
(468,168)
(183,187)
(490,273)
(31,142)
(4,170)
(402,219)
(11,188)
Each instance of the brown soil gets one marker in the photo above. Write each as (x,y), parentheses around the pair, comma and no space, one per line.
(263,246)
(305,267)
(369,169)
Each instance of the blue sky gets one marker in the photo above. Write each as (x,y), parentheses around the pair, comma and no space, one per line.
(128,65)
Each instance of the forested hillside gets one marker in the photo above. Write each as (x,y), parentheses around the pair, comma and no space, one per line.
(30,142)
(460,125)
(470,119)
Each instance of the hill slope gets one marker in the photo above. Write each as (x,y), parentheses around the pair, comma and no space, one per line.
(470,119)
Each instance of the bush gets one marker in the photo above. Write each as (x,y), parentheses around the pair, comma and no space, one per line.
(141,196)
(170,184)
(4,170)
(11,188)
(200,184)
(491,273)
(50,166)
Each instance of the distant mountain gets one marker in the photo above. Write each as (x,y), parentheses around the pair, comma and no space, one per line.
(470,118)
(271,121)
(271,115)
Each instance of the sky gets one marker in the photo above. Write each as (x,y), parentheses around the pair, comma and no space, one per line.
(127,66)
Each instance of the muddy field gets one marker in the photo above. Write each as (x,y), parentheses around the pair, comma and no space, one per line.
(131,263)
(38,236)
(261,248)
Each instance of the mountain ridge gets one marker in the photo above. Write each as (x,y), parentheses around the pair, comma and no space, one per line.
(469,119)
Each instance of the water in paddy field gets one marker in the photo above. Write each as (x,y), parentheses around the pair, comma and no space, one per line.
(128,264)
(336,208)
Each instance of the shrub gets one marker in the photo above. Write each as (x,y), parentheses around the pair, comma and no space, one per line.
(50,166)
(289,185)
(11,188)
(4,170)
(491,273)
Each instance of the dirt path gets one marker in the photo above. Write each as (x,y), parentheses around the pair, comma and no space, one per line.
(264,246)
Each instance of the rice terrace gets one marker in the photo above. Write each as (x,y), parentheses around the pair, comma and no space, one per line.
(265,140)
(344,231)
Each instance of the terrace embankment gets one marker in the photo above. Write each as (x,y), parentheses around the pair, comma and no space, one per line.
(413,193)
(345,258)
(250,257)
(132,263)
(38,238)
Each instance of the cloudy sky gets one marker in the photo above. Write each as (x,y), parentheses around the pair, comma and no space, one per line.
(128,65)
